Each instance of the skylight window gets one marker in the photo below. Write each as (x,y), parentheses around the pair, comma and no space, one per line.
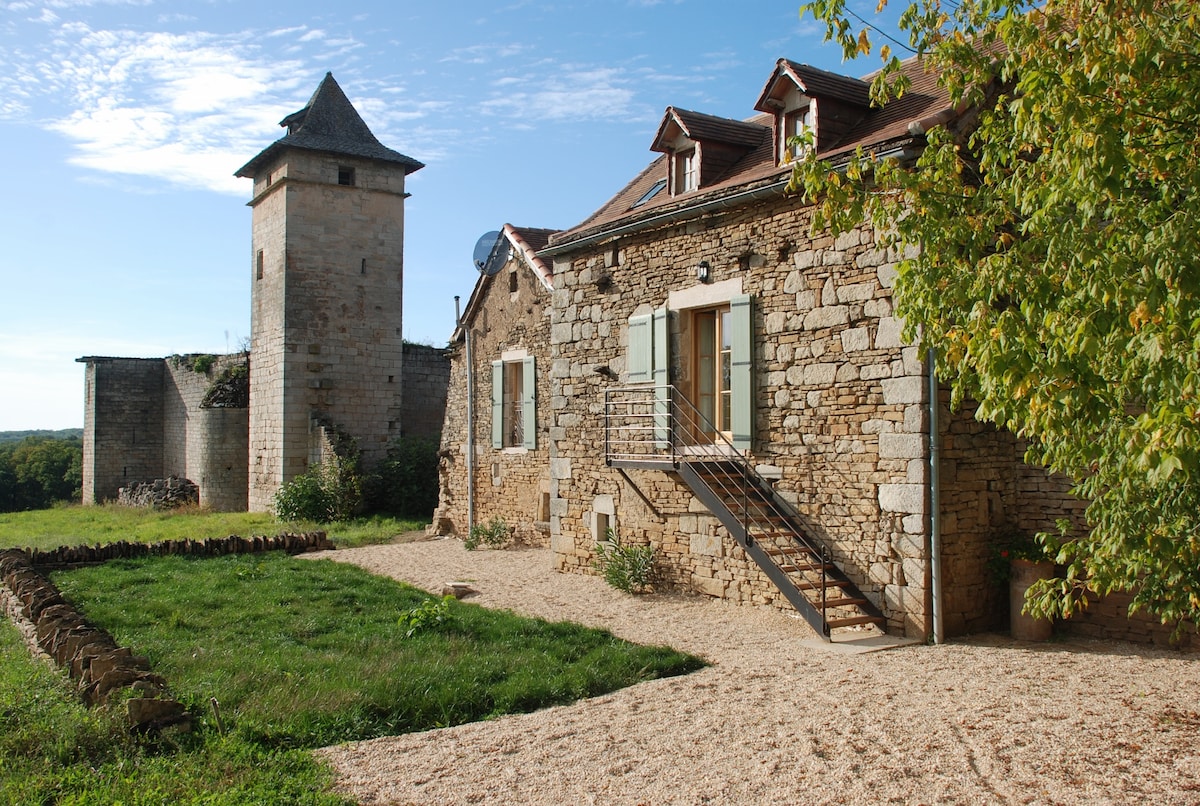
(649,194)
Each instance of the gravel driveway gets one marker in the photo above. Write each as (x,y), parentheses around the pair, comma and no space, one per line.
(783,717)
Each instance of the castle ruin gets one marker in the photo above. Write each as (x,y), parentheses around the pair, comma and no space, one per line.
(327,365)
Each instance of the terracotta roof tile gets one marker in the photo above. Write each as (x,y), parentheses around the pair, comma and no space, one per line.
(708,128)
(890,126)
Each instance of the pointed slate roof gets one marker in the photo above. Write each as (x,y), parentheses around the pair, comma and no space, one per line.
(329,123)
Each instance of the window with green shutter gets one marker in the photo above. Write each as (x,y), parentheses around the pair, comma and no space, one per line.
(514,403)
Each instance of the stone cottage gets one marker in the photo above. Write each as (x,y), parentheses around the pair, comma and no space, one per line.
(328,366)
(496,438)
(727,386)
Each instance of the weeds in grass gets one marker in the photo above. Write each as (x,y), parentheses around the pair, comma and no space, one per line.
(430,613)
(54,750)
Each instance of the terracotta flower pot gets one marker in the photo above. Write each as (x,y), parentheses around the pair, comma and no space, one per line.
(1023,626)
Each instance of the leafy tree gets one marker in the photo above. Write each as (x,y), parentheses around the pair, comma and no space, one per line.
(1058,274)
(37,471)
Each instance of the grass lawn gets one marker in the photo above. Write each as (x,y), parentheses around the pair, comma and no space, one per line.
(54,750)
(299,654)
(304,653)
(73,525)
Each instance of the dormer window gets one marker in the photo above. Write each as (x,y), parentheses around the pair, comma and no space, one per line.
(795,124)
(687,172)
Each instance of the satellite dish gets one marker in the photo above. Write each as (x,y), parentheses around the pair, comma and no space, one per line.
(491,253)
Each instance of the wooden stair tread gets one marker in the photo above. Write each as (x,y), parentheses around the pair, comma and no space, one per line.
(845,601)
(854,621)
(805,585)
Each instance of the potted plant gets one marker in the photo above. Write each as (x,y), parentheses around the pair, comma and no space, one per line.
(1020,560)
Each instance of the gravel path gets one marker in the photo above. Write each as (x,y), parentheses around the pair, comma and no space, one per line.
(782,717)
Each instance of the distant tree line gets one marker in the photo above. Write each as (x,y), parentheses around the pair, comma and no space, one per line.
(37,472)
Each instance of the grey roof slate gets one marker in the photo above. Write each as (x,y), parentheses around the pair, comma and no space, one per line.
(329,123)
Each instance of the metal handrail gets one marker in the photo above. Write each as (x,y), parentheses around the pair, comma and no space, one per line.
(635,431)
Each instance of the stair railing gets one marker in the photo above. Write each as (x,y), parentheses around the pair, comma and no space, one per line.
(659,424)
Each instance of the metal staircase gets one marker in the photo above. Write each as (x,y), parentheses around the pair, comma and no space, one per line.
(655,427)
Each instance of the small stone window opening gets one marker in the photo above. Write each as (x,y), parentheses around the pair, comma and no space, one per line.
(603,524)
(544,508)
(362,268)
(512,282)
(345,175)
(258,265)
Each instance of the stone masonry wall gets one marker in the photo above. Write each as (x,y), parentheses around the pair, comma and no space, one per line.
(123,424)
(839,401)
(511,483)
(326,312)
(425,378)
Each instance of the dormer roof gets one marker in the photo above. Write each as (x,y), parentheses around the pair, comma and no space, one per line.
(329,123)
(756,172)
(702,128)
(812,82)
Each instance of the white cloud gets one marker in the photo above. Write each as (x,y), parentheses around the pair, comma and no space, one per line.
(187,108)
(566,93)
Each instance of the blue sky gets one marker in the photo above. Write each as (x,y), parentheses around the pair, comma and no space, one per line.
(122,122)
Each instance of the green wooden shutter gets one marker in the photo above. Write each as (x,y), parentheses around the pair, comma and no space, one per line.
(640,357)
(741,372)
(497,404)
(662,376)
(529,403)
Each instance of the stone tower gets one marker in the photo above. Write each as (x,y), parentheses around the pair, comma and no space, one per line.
(327,270)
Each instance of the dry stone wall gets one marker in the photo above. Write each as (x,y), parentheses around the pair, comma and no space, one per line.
(88,653)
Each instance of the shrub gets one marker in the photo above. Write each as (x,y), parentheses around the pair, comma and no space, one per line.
(494,534)
(203,363)
(405,484)
(330,491)
(626,568)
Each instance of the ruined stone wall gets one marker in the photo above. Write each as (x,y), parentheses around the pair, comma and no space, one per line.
(425,378)
(510,483)
(144,420)
(201,442)
(326,321)
(123,424)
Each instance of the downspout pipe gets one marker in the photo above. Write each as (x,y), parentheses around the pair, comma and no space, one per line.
(935,502)
(470,416)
